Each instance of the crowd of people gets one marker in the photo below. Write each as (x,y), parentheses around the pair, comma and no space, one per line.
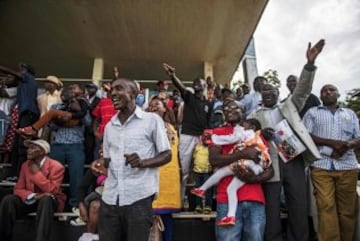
(142,152)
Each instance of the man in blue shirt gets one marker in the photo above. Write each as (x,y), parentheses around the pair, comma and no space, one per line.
(335,131)
(253,101)
(28,109)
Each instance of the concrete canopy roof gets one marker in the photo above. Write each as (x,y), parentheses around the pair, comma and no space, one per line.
(63,37)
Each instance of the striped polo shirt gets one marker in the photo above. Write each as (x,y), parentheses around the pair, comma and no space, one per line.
(343,125)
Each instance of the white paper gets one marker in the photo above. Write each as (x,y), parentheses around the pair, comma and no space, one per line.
(286,142)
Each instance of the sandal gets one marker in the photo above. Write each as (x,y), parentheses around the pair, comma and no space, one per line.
(198,209)
(207,210)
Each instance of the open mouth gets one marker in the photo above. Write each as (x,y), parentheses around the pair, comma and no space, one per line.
(115,101)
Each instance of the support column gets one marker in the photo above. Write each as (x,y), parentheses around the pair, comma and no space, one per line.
(250,64)
(98,70)
(208,70)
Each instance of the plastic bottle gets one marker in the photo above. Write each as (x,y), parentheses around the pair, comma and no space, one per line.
(186,204)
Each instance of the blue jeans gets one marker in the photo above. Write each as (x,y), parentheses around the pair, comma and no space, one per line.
(250,222)
(74,156)
(169,226)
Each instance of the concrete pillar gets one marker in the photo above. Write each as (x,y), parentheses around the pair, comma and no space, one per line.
(208,70)
(249,64)
(98,70)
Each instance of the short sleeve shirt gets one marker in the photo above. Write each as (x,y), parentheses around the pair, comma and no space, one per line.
(196,114)
(104,111)
(143,133)
(343,125)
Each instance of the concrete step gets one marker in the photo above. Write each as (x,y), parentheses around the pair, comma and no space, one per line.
(184,230)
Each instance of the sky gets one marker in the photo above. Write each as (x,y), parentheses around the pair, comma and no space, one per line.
(287,26)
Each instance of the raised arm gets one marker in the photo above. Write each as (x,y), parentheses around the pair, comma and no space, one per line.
(10,71)
(304,87)
(313,52)
(175,80)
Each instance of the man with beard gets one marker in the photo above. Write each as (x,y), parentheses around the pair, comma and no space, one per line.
(195,119)
(38,189)
(250,211)
(335,131)
(290,174)
(135,145)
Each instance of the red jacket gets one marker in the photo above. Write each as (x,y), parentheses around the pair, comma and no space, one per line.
(47,180)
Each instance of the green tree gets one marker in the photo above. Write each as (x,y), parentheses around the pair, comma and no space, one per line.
(237,84)
(352,100)
(272,77)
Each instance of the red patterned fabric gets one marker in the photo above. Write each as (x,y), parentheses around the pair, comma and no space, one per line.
(10,135)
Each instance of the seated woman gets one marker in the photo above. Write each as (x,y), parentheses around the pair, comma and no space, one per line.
(69,114)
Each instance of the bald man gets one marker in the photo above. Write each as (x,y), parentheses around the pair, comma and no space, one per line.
(335,131)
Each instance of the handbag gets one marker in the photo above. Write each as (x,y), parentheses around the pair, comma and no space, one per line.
(156,229)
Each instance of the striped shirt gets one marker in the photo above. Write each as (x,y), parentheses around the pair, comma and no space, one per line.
(143,133)
(341,125)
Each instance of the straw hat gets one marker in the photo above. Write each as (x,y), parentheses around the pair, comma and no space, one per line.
(55,80)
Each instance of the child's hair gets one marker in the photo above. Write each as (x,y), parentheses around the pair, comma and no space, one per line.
(255,123)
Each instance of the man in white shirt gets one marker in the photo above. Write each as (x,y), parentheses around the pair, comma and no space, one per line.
(135,145)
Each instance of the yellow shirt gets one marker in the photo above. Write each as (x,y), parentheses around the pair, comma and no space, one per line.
(169,190)
(201,159)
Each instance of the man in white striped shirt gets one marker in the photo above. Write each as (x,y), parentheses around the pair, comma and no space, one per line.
(335,130)
(135,145)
